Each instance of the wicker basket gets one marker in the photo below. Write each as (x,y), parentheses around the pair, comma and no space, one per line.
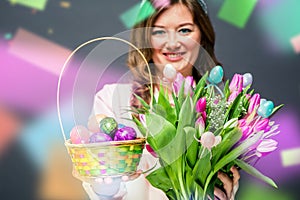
(106,158)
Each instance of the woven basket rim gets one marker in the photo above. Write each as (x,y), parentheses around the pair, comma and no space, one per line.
(105,144)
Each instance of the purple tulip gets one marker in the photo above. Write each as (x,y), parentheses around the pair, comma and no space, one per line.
(201,105)
(254,103)
(236,83)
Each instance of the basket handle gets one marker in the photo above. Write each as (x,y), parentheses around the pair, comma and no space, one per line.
(79,47)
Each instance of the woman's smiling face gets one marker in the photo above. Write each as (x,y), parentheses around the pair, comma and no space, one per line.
(175,39)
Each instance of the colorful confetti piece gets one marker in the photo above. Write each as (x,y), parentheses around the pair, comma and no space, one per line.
(65,4)
(296,43)
(35,4)
(136,14)
(290,157)
(39,51)
(7,36)
(280,22)
(237,12)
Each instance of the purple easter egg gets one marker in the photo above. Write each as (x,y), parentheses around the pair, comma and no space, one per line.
(99,137)
(125,133)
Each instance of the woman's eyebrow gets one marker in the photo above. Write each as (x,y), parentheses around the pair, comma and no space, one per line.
(180,25)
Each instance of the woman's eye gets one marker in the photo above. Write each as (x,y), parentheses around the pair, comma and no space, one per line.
(185,31)
(158,32)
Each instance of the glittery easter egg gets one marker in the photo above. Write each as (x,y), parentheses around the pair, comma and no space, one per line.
(169,72)
(265,108)
(121,126)
(125,133)
(216,75)
(247,79)
(79,135)
(109,126)
(99,137)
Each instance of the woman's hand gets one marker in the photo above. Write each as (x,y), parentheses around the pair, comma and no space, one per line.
(230,185)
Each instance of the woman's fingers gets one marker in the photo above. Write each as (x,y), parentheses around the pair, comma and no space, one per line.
(227,183)
(236,178)
(219,194)
(236,175)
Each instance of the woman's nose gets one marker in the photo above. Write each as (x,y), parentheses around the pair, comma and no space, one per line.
(172,42)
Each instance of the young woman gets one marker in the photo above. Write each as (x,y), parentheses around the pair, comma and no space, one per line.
(174,34)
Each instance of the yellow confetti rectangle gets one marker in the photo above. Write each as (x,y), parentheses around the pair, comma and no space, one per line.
(290,157)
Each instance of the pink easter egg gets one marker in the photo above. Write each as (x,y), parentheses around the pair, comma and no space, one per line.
(79,135)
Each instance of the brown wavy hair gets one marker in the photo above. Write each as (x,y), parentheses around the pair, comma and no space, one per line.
(140,37)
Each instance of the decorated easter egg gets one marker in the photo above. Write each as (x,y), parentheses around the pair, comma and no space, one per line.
(169,72)
(121,126)
(216,75)
(109,126)
(125,133)
(247,79)
(265,108)
(79,135)
(99,137)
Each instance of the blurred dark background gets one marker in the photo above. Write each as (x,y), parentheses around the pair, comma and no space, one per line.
(260,37)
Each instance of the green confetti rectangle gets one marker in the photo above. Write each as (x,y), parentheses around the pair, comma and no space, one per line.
(136,14)
(35,4)
(237,12)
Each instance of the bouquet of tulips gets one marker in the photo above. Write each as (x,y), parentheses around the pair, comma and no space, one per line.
(196,130)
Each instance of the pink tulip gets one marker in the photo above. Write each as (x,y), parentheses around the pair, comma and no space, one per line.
(254,103)
(236,83)
(242,122)
(261,125)
(246,132)
(188,83)
(200,124)
(151,151)
(265,147)
(232,96)
(201,105)
(143,119)
(204,116)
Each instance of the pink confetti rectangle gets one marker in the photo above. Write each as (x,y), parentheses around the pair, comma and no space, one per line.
(38,51)
(296,43)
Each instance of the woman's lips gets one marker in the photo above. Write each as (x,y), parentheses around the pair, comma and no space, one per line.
(174,56)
